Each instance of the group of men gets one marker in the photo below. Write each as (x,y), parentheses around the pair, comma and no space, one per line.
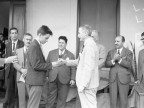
(26,77)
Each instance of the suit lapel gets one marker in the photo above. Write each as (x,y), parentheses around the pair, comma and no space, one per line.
(39,48)
(123,52)
(65,54)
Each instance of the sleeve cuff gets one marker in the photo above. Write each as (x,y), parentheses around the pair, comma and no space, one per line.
(120,61)
(113,62)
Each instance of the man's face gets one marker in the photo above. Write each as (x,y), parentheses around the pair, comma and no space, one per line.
(118,42)
(81,34)
(62,44)
(95,35)
(27,40)
(14,35)
(44,38)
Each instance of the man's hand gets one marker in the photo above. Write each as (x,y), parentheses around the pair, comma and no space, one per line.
(61,62)
(117,57)
(72,82)
(80,89)
(137,82)
(24,72)
(11,59)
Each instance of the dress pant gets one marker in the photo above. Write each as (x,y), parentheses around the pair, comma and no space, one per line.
(57,91)
(34,93)
(11,96)
(22,94)
(88,98)
(116,88)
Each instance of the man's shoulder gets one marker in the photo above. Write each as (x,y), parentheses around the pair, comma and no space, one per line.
(53,51)
(141,51)
(69,52)
(129,51)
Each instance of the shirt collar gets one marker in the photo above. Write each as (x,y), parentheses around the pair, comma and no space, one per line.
(38,41)
(120,50)
(61,51)
(15,41)
(25,48)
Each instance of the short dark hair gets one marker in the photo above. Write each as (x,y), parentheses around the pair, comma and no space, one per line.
(123,38)
(63,38)
(142,34)
(13,28)
(1,34)
(44,30)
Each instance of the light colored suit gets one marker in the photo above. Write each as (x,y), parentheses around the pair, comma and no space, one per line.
(22,92)
(102,55)
(87,75)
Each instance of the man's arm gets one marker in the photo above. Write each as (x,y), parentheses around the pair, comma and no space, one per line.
(35,60)
(102,56)
(73,70)
(140,64)
(127,61)
(109,61)
(2,62)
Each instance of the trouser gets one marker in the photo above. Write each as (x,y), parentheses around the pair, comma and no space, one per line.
(11,96)
(116,88)
(88,98)
(57,91)
(34,93)
(22,94)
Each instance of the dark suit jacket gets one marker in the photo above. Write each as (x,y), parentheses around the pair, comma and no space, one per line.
(64,73)
(20,44)
(140,75)
(37,66)
(122,70)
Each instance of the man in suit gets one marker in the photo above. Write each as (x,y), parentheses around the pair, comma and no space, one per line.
(10,72)
(102,51)
(120,62)
(60,77)
(37,67)
(21,67)
(87,75)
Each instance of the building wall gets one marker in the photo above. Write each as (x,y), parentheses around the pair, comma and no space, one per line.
(132,20)
(4,15)
(61,17)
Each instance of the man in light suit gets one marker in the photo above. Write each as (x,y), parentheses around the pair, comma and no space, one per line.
(87,75)
(102,51)
(37,67)
(10,72)
(60,77)
(21,67)
(120,62)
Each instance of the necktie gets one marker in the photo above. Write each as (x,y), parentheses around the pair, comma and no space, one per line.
(13,49)
(118,51)
(60,55)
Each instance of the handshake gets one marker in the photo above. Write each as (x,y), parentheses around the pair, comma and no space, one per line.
(59,62)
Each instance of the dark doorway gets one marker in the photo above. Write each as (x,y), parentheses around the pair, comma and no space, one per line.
(102,15)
